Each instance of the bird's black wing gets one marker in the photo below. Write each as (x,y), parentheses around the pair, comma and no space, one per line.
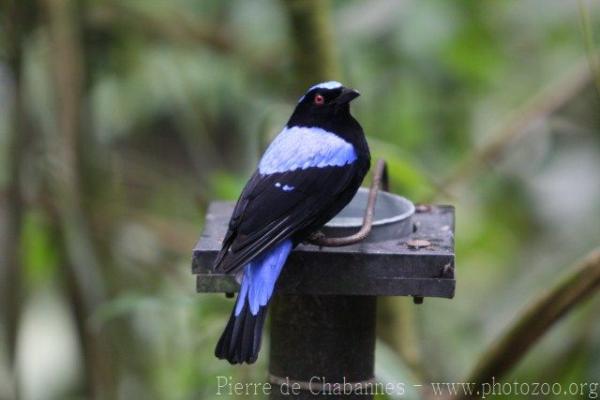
(273,207)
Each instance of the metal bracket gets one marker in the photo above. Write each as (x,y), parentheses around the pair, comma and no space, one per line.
(380,179)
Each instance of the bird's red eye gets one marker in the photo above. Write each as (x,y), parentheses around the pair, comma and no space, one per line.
(319,99)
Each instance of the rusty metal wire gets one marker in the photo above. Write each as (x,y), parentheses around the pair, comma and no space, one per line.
(380,180)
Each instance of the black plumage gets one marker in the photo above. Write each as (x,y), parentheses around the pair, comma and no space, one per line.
(267,215)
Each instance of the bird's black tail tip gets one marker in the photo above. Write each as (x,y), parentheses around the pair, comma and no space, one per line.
(240,341)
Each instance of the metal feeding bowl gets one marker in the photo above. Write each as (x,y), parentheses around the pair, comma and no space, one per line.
(392,217)
(409,252)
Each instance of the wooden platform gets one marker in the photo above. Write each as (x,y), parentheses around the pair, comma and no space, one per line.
(388,268)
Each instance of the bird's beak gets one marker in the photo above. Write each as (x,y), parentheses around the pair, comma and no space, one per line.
(347,96)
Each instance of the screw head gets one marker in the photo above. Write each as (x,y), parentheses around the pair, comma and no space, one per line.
(418,243)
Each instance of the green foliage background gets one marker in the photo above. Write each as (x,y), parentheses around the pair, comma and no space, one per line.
(179,98)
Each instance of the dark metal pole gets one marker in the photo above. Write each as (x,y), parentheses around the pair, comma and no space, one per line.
(318,342)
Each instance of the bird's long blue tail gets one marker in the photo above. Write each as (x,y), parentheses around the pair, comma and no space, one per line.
(240,342)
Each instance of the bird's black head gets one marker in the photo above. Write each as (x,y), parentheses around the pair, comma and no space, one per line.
(323,105)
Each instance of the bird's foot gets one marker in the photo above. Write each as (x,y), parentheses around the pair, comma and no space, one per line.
(315,237)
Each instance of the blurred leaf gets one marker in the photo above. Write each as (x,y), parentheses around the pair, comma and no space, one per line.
(39,248)
(389,368)
(581,282)
(226,186)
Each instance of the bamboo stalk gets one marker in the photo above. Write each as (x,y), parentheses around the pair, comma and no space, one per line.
(582,281)
(173,25)
(588,38)
(11,266)
(398,327)
(314,57)
(85,282)
(547,101)
(63,148)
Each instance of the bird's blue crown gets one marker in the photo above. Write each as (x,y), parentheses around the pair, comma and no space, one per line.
(323,85)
